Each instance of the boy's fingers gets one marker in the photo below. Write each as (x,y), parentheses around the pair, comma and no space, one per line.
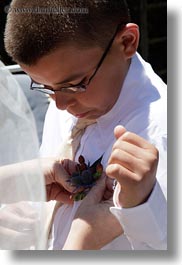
(136,140)
(132,138)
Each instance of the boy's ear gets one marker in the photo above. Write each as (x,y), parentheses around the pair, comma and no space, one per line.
(128,40)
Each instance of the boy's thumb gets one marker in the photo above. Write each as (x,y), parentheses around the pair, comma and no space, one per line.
(95,195)
(119,130)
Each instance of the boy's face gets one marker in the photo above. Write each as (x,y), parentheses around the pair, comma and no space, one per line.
(70,66)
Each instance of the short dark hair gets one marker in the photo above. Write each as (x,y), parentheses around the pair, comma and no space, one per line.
(35,28)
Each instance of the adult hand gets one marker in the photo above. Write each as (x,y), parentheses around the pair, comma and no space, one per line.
(133,163)
(18,226)
(56,176)
(93,226)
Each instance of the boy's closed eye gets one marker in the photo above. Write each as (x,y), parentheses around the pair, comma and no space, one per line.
(82,82)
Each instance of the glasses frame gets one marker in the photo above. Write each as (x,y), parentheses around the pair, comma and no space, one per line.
(82,87)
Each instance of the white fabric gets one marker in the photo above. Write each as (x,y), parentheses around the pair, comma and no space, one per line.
(141,108)
(19,193)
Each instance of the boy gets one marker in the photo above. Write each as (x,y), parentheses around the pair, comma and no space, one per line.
(87,62)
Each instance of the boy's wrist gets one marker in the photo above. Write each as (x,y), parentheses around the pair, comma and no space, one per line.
(81,237)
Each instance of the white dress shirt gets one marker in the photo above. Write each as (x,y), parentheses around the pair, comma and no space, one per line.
(141,108)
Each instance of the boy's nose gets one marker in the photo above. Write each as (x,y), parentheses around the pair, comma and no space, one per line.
(63,101)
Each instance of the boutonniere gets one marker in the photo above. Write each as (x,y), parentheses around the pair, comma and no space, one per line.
(85,177)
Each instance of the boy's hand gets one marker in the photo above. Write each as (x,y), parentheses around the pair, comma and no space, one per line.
(94,225)
(133,163)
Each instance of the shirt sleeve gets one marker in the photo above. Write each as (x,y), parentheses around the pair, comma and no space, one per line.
(145,225)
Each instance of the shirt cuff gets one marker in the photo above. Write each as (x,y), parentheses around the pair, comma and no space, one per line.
(146,223)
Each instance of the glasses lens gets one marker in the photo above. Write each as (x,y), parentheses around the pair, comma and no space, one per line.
(74,89)
(41,88)
(46,91)
(70,90)
(36,86)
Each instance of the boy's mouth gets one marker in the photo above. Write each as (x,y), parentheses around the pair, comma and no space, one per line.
(81,115)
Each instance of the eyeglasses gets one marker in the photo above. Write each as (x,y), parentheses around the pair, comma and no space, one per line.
(73,89)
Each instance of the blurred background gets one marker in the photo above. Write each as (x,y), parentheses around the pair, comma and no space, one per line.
(150,15)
